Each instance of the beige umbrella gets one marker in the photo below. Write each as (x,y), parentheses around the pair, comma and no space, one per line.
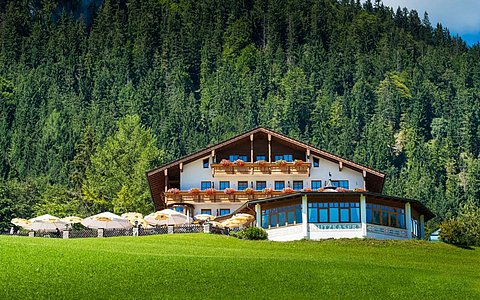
(133,217)
(72,220)
(46,223)
(204,217)
(106,220)
(167,217)
(246,217)
(21,222)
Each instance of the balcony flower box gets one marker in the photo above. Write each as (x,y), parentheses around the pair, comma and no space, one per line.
(194,191)
(261,163)
(239,163)
(226,163)
(321,190)
(281,163)
(230,193)
(210,191)
(268,191)
(288,190)
(173,191)
(307,189)
(249,191)
(341,190)
(359,190)
(298,163)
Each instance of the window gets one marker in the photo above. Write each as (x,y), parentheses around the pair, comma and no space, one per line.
(205,163)
(288,157)
(334,212)
(224,211)
(261,185)
(179,209)
(279,185)
(261,157)
(316,184)
(316,162)
(234,157)
(385,215)
(205,185)
(298,185)
(278,157)
(340,183)
(224,185)
(242,185)
(282,216)
(205,211)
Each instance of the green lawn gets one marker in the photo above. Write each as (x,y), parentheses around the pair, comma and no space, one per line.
(199,266)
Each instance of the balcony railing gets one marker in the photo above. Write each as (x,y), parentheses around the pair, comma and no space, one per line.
(265,168)
(219,196)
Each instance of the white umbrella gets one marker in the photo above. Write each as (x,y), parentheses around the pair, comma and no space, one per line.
(106,220)
(204,217)
(135,217)
(167,217)
(46,223)
(72,220)
(21,222)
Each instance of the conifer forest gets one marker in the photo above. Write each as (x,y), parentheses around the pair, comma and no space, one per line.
(95,93)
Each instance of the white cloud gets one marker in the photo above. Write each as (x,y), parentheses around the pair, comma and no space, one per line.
(460,16)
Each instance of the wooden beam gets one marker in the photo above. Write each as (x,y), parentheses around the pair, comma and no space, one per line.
(340,165)
(251,148)
(308,153)
(181,167)
(165,172)
(269,148)
(364,180)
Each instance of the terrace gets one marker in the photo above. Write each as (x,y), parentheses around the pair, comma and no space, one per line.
(218,196)
(226,167)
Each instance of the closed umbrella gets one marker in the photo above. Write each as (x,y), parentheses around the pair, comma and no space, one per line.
(46,223)
(106,220)
(167,217)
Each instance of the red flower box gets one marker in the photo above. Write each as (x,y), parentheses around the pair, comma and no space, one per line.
(268,191)
(229,191)
(298,163)
(210,191)
(281,163)
(173,191)
(288,190)
(239,163)
(249,191)
(341,190)
(226,163)
(307,189)
(194,191)
(262,163)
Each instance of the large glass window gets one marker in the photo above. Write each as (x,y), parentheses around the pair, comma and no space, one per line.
(316,184)
(282,216)
(224,185)
(205,185)
(224,211)
(242,185)
(260,185)
(334,212)
(385,215)
(279,185)
(298,185)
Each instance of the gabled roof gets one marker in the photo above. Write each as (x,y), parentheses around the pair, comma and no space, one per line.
(319,152)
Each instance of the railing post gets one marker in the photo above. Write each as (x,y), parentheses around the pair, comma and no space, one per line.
(363,214)
(258,215)
(306,234)
(207,227)
(170,229)
(135,231)
(31,234)
(66,234)
(408,220)
(100,232)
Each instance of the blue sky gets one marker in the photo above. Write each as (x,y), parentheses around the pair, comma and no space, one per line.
(462,17)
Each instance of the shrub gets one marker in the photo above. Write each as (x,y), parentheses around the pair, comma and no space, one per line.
(252,233)
(453,232)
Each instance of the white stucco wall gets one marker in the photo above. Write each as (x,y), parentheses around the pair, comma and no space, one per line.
(355,179)
(318,233)
(193,173)
(214,206)
(283,234)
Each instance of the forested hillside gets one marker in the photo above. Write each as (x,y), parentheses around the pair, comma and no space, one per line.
(93,94)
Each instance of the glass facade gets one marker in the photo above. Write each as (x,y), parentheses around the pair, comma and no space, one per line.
(334,212)
(281,216)
(385,215)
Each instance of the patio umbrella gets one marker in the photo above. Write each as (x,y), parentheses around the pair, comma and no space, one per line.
(133,217)
(46,223)
(167,217)
(21,222)
(204,217)
(246,217)
(106,220)
(72,220)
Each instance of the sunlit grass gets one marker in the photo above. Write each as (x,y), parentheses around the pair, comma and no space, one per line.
(200,266)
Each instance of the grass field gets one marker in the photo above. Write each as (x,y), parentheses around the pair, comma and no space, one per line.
(200,266)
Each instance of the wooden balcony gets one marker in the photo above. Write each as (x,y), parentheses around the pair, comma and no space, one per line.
(219,196)
(290,168)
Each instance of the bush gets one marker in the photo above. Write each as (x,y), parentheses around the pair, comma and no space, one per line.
(252,233)
(453,232)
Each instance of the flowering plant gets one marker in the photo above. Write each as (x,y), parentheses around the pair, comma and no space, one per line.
(321,189)
(281,162)
(173,191)
(226,163)
(210,191)
(194,191)
(268,191)
(341,190)
(229,191)
(262,163)
(359,190)
(298,162)
(249,191)
(307,189)
(239,163)
(288,190)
